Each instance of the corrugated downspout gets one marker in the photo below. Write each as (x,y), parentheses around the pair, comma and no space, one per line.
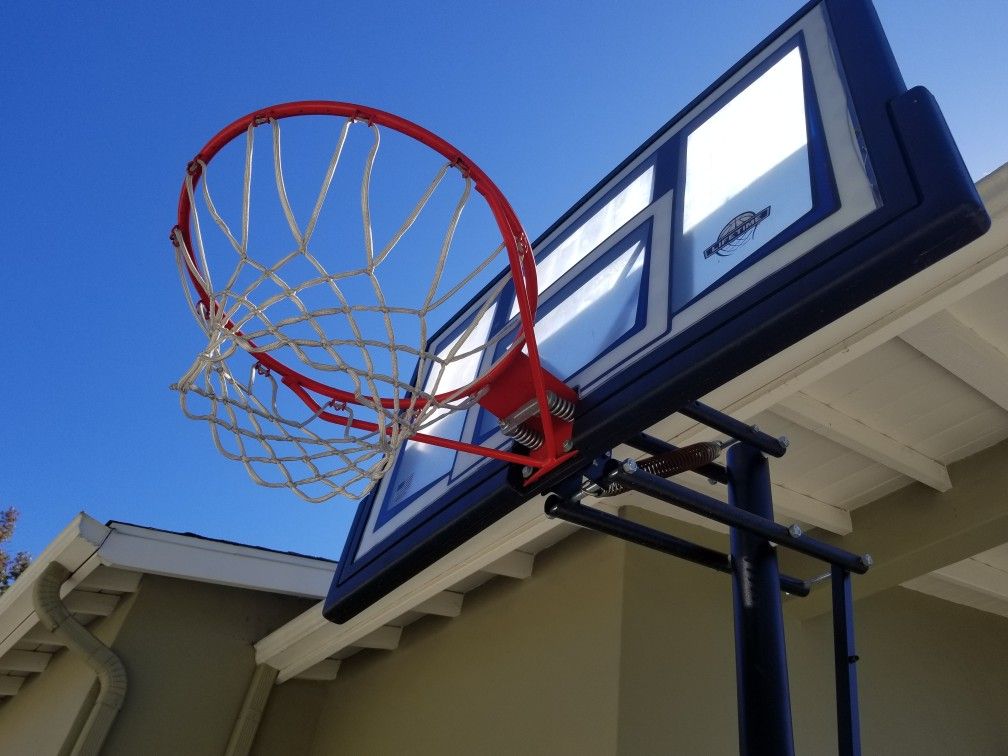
(252,710)
(98,656)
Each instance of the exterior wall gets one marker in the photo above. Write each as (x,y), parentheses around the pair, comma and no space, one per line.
(933,675)
(38,718)
(677,687)
(916,529)
(188,651)
(612,649)
(529,667)
(291,716)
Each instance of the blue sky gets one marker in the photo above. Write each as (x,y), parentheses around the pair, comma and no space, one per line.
(106,102)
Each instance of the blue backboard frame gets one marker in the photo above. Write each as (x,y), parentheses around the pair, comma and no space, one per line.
(928,208)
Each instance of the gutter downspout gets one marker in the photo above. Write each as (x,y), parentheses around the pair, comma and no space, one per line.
(243,735)
(111,673)
(244,732)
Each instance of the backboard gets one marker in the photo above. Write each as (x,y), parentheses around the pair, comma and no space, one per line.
(804,182)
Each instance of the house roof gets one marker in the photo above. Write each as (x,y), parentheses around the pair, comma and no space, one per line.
(106,562)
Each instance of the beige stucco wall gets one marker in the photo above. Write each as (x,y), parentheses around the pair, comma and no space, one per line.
(37,719)
(293,710)
(933,675)
(678,676)
(187,649)
(529,667)
(619,650)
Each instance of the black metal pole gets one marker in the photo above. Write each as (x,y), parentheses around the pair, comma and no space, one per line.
(764,702)
(738,430)
(845,659)
(603,522)
(736,517)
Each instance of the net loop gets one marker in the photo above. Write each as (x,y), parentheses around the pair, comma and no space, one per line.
(368,386)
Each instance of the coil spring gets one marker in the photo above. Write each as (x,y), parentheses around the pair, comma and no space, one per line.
(668,464)
(527,437)
(560,407)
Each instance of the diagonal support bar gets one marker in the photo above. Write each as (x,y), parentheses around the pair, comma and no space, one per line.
(603,522)
(630,476)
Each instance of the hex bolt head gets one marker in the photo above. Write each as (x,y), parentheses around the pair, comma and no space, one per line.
(866,560)
(784,441)
(795,530)
(629,466)
(568,445)
(526,472)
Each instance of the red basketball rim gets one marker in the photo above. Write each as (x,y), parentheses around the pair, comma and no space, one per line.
(519,250)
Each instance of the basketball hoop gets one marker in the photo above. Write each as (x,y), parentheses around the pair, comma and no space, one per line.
(363,390)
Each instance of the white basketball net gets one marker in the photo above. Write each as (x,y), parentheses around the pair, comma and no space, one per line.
(258,422)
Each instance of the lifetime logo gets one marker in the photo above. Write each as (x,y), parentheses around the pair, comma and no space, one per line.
(739,230)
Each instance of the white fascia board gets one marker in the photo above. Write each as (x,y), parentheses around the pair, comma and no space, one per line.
(85,545)
(157,552)
(309,638)
(71,548)
(74,549)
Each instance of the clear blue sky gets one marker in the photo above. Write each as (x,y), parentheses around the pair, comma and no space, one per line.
(104,103)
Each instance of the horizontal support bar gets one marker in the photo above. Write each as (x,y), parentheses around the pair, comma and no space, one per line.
(738,430)
(705,506)
(651,445)
(603,522)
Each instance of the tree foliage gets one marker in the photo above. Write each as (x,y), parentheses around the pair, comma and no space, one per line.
(10,566)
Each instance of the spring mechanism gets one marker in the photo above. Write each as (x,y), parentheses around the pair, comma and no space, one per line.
(560,407)
(663,465)
(514,425)
(527,437)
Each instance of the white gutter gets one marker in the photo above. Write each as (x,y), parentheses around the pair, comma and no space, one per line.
(74,548)
(85,544)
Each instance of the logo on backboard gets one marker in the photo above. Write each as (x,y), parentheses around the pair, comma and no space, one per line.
(739,230)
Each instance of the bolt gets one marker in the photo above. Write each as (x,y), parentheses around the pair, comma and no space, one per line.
(526,472)
(784,441)
(712,481)
(568,445)
(755,429)
(867,560)
(795,530)
(629,466)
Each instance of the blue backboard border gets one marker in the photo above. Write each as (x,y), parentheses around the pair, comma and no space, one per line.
(930,208)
